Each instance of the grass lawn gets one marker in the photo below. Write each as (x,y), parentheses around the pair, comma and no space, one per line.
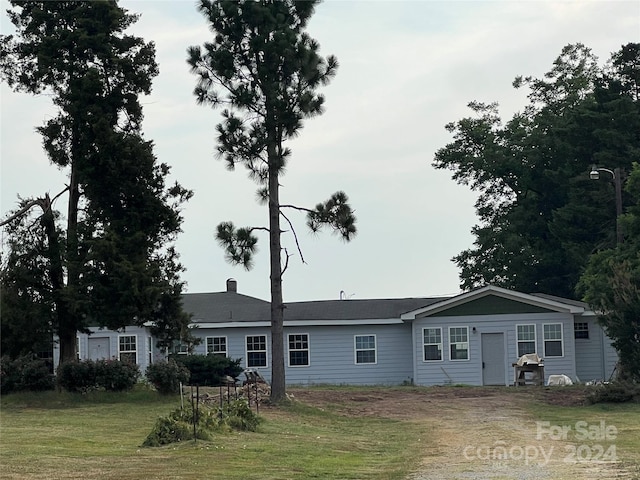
(58,435)
(605,425)
(351,433)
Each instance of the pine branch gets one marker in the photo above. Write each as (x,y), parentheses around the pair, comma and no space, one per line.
(295,236)
(295,207)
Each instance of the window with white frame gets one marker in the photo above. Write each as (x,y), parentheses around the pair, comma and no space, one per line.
(217,346)
(581,330)
(299,350)
(552,336)
(180,348)
(256,351)
(365,346)
(459,343)
(526,337)
(432,339)
(127,348)
(149,350)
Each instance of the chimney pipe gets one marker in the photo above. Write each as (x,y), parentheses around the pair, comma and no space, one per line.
(232,285)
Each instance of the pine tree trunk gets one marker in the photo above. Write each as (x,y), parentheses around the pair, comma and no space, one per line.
(66,330)
(67,318)
(278,389)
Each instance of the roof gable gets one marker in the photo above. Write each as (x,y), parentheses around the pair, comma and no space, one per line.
(495,300)
(490,305)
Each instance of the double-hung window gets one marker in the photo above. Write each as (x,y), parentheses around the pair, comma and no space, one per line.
(459,343)
(217,346)
(180,348)
(552,336)
(581,330)
(256,351)
(432,340)
(299,350)
(149,350)
(526,337)
(127,348)
(365,347)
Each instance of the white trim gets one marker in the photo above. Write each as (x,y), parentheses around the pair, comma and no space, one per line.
(308,350)
(535,337)
(446,304)
(424,344)
(581,330)
(356,350)
(544,345)
(128,351)
(300,323)
(450,343)
(149,352)
(266,351)
(226,344)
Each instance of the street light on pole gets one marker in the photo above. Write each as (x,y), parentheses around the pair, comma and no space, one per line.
(594,174)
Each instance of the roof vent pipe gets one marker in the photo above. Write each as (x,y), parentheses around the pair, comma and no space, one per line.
(232,285)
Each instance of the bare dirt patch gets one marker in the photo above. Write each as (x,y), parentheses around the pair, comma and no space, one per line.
(474,433)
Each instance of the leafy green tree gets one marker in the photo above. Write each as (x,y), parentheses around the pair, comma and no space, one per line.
(264,70)
(112,262)
(540,214)
(611,284)
(26,302)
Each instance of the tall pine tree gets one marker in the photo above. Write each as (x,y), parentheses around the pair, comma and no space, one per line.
(264,71)
(112,263)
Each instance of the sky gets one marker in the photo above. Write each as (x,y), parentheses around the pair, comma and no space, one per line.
(407,68)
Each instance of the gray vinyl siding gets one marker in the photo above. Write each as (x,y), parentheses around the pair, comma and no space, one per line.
(332,354)
(142,337)
(470,372)
(236,344)
(595,356)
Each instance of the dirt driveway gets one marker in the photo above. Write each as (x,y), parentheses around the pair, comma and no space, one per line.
(480,433)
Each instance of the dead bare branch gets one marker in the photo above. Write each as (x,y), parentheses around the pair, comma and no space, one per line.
(295,236)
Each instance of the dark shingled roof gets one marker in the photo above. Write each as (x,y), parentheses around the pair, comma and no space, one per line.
(568,301)
(225,307)
(234,307)
(355,309)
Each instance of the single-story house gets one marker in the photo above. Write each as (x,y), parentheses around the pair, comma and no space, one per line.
(473,338)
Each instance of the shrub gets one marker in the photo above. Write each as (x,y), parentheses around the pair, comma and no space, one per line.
(24,373)
(116,375)
(166,376)
(239,416)
(77,376)
(617,392)
(166,431)
(178,425)
(86,375)
(209,370)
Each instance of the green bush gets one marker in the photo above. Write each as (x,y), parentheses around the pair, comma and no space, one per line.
(116,375)
(178,425)
(616,392)
(239,416)
(24,373)
(77,376)
(209,370)
(87,375)
(167,376)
